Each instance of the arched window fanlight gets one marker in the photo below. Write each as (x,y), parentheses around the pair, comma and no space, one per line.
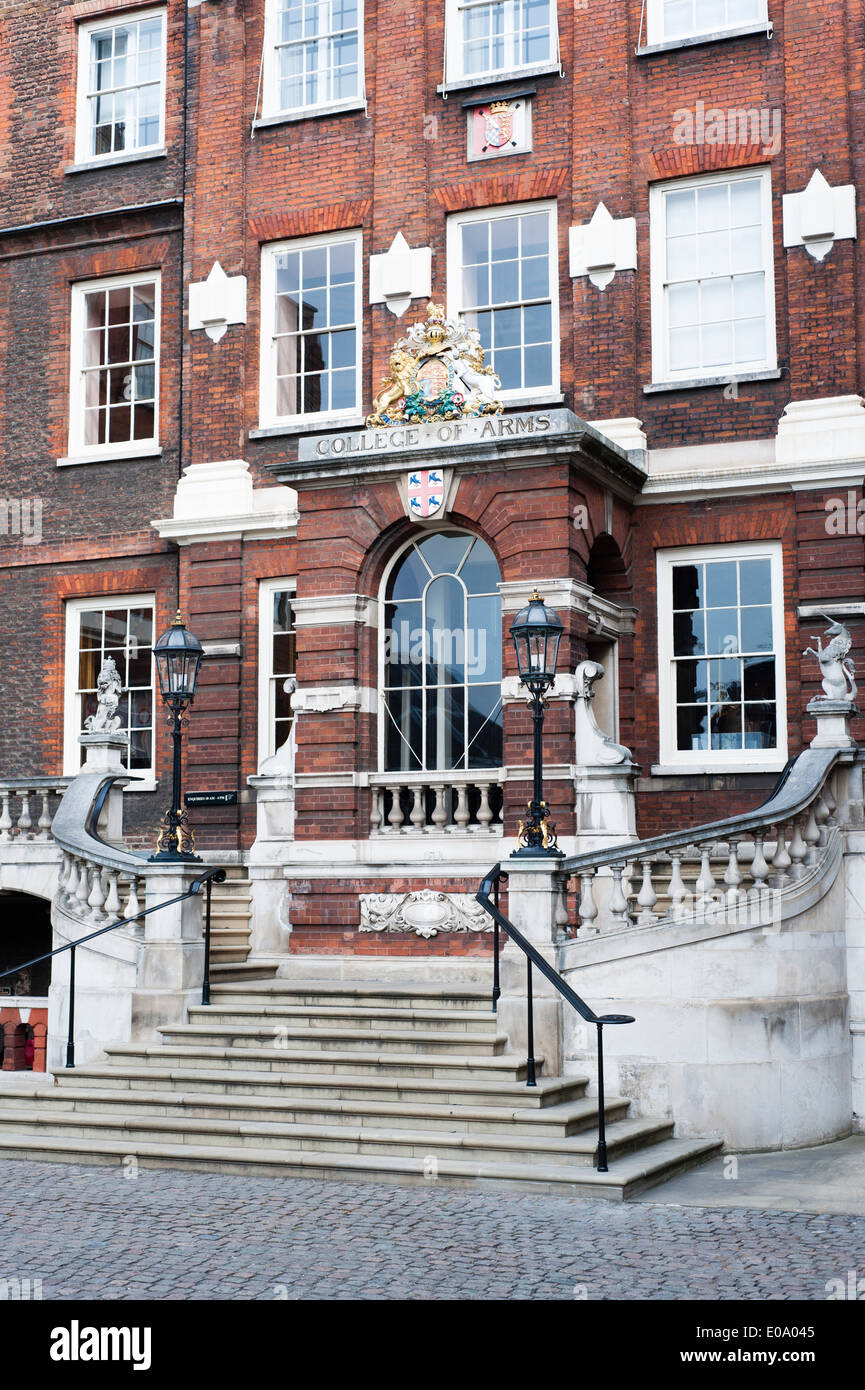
(442,656)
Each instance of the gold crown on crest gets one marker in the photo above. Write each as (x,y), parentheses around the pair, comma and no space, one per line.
(499,108)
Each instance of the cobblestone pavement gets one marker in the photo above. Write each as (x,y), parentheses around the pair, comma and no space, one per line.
(90,1233)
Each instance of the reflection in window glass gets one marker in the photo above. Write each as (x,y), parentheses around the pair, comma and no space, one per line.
(723,656)
(443,657)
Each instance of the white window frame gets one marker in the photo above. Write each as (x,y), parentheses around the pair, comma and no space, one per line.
(83,129)
(78,450)
(266,712)
(395,560)
(661,372)
(455,74)
(718,760)
(525,395)
(270,107)
(141,780)
(268,351)
(655,25)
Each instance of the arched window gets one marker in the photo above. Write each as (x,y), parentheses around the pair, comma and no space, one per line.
(442,656)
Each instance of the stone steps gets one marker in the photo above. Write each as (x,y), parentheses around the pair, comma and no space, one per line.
(477,1145)
(287,1038)
(631,1175)
(558,1119)
(365,1078)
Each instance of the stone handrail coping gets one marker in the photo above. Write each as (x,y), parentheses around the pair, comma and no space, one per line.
(451,777)
(34,784)
(77,812)
(794,793)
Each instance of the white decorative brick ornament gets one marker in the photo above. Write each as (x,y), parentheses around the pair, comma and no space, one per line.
(602,246)
(216,302)
(400,275)
(830,429)
(819,216)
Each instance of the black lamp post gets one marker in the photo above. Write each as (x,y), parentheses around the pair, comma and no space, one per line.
(537,631)
(178,656)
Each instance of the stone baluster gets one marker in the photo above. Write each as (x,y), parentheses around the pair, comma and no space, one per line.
(82,891)
(678,891)
(588,907)
(461,814)
(440,813)
(112,899)
(561,918)
(24,822)
(395,816)
(375,813)
(812,837)
(619,896)
(417,815)
(781,860)
(133,907)
(96,896)
(70,884)
(44,822)
(821,816)
(733,876)
(797,850)
(759,874)
(485,810)
(647,897)
(705,884)
(5,818)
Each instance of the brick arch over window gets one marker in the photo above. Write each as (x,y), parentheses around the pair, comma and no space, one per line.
(440,654)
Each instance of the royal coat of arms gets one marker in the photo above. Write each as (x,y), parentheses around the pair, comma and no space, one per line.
(437,372)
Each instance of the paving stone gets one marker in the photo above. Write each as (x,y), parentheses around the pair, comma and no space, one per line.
(176,1234)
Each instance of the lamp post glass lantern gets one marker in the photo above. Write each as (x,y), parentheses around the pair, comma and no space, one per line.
(178,654)
(537,631)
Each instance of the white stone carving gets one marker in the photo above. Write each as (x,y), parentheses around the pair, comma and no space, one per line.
(830,429)
(836,666)
(594,748)
(603,246)
(324,699)
(109,688)
(424,912)
(216,302)
(819,216)
(400,275)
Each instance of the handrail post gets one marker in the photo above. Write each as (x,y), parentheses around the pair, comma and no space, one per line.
(205,984)
(602,1119)
(497,988)
(70,1036)
(530,1027)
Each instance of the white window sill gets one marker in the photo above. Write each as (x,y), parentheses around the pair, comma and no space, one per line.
(727,379)
(308,424)
(110,160)
(142,784)
(112,455)
(716,36)
(714,769)
(462,84)
(310,113)
(539,397)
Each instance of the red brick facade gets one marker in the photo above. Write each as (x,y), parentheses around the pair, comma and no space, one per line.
(603,130)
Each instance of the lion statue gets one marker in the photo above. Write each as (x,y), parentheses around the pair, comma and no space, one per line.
(481,383)
(393,389)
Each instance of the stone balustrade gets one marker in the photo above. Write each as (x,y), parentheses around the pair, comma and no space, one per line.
(736,872)
(97,893)
(27,807)
(436,803)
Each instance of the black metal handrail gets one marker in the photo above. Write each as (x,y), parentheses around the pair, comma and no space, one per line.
(488,897)
(205,880)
